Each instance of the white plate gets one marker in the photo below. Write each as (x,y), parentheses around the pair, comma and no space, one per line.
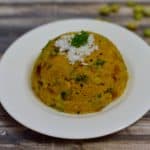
(19,101)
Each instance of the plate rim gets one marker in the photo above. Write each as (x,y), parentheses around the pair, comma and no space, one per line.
(41,132)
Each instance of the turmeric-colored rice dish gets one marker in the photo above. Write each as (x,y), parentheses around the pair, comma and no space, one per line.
(79,72)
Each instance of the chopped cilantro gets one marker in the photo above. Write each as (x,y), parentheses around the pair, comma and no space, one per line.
(99,95)
(80,39)
(65,94)
(81,78)
(99,62)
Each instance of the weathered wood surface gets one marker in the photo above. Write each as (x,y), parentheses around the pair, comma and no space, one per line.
(18,18)
(67,1)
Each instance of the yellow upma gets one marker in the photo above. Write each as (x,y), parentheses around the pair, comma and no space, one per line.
(79,87)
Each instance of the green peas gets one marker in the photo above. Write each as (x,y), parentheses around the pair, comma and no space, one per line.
(138,16)
(146,12)
(105,10)
(132,25)
(115,8)
(138,9)
(147,32)
(138,12)
(131,3)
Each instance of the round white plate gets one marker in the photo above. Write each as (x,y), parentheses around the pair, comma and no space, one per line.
(19,101)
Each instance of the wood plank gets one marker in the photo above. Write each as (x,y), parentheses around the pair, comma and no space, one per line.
(12,132)
(118,146)
(141,127)
(64,1)
(34,15)
(17,135)
(14,22)
(99,146)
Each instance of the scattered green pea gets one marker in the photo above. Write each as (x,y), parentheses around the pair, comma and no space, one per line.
(132,25)
(115,8)
(147,32)
(138,9)
(138,12)
(146,12)
(138,15)
(105,10)
(131,3)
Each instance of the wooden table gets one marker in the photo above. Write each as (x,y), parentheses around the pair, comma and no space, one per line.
(17,17)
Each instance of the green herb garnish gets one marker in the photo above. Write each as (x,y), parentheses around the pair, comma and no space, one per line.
(65,94)
(80,39)
(81,78)
(99,95)
(99,62)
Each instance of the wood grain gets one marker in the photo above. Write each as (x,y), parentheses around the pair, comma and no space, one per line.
(18,17)
(65,1)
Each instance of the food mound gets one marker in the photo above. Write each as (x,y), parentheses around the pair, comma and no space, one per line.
(79,72)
